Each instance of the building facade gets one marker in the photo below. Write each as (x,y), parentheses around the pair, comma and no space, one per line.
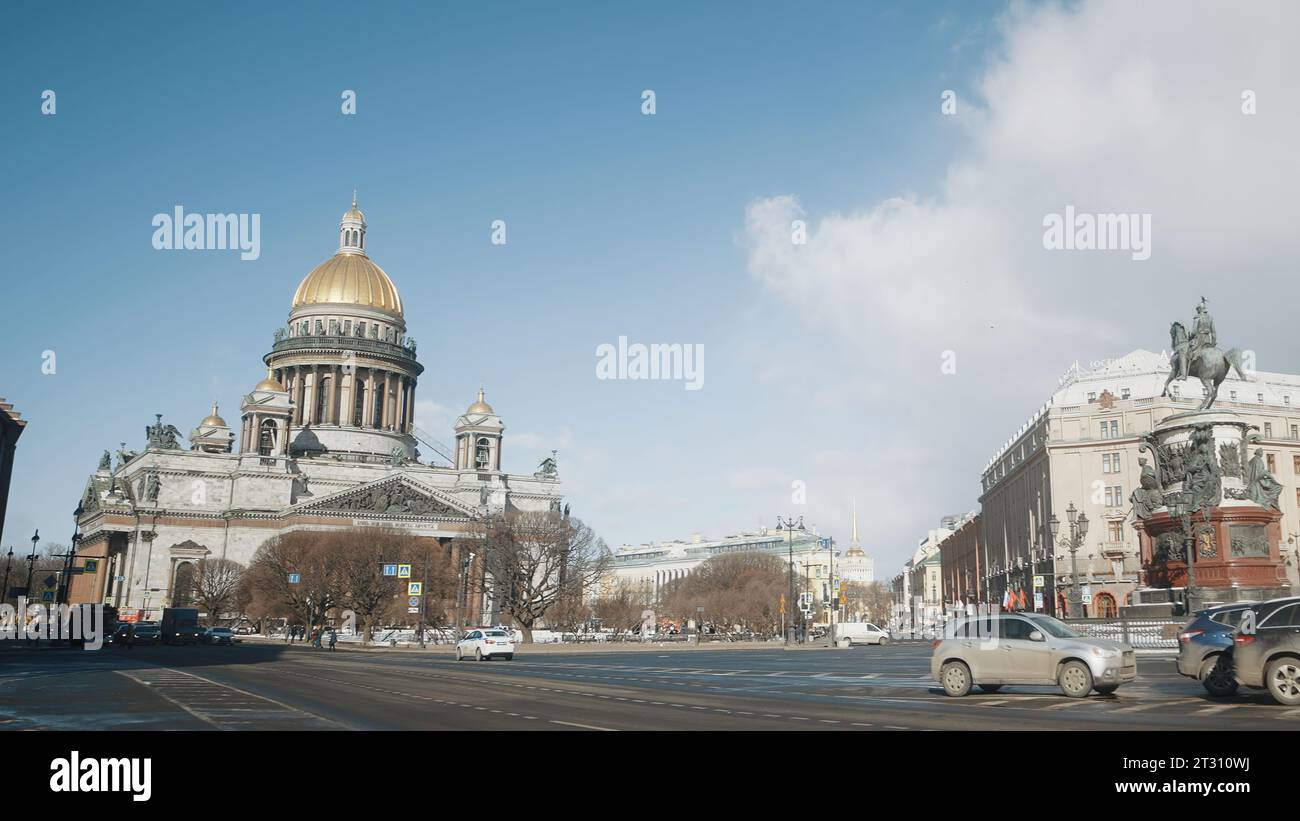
(11,427)
(647,568)
(962,563)
(325,441)
(1081,448)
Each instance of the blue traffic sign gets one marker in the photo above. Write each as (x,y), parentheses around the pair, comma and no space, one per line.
(295,578)
(390,570)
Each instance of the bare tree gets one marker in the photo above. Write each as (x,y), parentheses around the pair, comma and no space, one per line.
(537,558)
(620,609)
(736,590)
(215,586)
(308,556)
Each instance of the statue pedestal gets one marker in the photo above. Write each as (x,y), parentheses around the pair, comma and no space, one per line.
(1201,460)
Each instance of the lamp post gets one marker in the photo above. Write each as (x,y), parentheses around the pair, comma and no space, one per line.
(31,564)
(1078,532)
(4,591)
(789,525)
(1180,507)
(834,595)
(66,582)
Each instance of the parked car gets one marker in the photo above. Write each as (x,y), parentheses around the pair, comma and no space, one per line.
(851,633)
(118,637)
(1267,653)
(147,632)
(484,643)
(1205,647)
(218,635)
(1028,648)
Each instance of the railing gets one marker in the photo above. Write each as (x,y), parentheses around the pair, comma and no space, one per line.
(1144,634)
(346,343)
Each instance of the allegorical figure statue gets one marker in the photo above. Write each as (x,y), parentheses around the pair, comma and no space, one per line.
(1261,487)
(105,461)
(1149,496)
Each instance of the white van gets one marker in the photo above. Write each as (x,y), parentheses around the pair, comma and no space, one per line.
(860,632)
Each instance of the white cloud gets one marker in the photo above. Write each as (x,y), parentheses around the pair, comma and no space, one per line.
(1112,107)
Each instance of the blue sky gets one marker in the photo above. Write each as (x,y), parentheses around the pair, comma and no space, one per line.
(618,224)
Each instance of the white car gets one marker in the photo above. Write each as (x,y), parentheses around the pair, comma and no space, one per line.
(851,633)
(486,642)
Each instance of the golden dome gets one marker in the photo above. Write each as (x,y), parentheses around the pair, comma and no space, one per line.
(480,406)
(349,278)
(213,420)
(269,383)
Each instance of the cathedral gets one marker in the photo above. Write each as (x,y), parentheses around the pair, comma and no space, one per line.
(327,439)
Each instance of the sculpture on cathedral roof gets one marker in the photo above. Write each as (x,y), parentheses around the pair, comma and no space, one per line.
(105,461)
(162,436)
(548,469)
(1197,356)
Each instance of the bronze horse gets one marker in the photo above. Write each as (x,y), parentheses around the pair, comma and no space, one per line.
(1210,365)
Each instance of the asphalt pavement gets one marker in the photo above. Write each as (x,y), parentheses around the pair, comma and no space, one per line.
(263,686)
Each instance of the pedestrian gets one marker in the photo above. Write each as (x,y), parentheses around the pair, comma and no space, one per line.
(334,639)
(316,637)
(130,635)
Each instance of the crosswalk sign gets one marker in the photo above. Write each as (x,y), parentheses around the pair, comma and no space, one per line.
(414,588)
(403,571)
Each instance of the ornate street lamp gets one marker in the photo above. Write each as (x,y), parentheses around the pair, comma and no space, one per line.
(789,525)
(31,564)
(1078,532)
(1180,508)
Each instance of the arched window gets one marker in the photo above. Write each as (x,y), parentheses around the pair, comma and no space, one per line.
(322,401)
(1104,605)
(183,585)
(483,455)
(266,438)
(359,406)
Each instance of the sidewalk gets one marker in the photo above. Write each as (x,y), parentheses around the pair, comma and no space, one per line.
(528,649)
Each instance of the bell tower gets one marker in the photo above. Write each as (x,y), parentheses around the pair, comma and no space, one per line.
(478,438)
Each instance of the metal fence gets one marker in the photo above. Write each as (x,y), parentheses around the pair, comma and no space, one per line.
(1143,634)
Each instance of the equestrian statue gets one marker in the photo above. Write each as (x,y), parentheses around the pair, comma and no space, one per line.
(1197,356)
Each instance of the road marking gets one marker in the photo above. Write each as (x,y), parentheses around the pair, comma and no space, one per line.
(583,726)
(1217,708)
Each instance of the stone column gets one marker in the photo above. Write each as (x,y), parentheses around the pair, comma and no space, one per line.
(384,404)
(410,403)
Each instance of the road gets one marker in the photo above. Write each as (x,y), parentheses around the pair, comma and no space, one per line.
(255,686)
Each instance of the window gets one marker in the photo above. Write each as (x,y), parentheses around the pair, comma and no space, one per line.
(1016,629)
(1092,396)
(1283,617)
(1115,532)
(1110,429)
(483,455)
(1268,430)
(1115,496)
(1272,463)
(266,438)
(361,329)
(1232,395)
(1174,391)
(1295,464)
(1295,431)
(322,400)
(359,406)
(1110,463)
(1124,393)
(1260,396)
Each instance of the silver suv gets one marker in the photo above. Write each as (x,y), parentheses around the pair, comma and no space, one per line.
(1028,648)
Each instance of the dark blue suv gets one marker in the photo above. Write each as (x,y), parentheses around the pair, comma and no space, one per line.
(1205,647)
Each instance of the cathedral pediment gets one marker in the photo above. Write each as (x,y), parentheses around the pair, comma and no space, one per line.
(393,496)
